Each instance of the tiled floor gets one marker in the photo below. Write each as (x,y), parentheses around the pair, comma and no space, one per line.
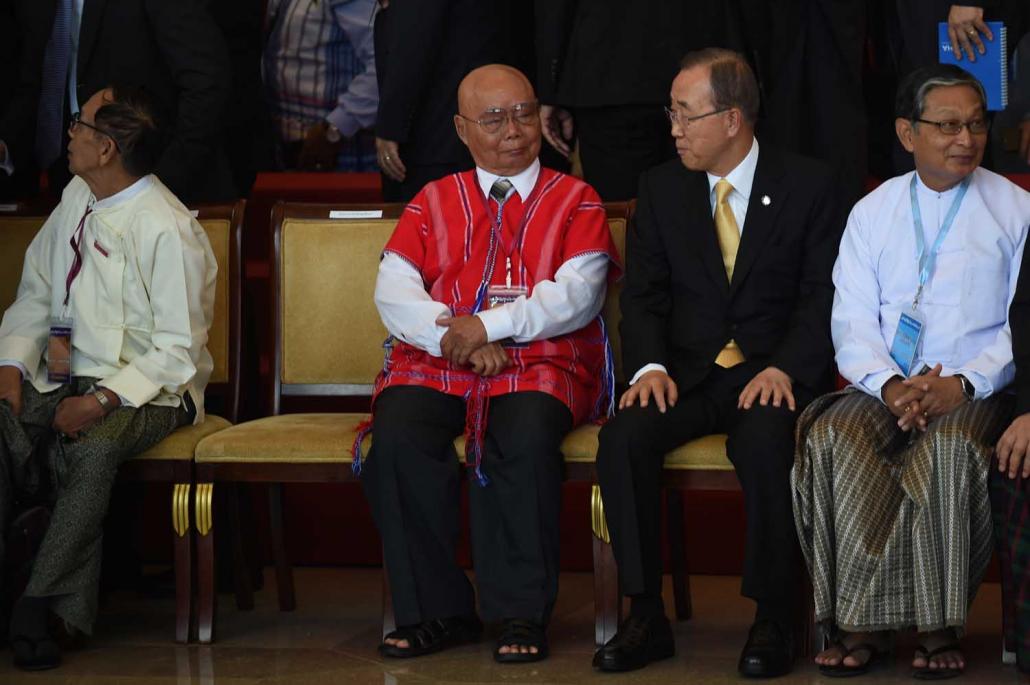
(332,636)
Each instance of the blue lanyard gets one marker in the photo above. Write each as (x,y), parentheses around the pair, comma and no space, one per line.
(928,260)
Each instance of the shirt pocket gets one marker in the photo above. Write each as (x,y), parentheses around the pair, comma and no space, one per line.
(986,289)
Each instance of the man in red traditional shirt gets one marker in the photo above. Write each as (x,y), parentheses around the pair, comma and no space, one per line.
(491,287)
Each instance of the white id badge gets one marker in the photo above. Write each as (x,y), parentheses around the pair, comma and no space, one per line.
(907,339)
(59,351)
(497,295)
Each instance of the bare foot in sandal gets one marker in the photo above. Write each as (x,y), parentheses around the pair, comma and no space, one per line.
(849,649)
(938,655)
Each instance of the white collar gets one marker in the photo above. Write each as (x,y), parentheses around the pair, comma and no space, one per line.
(524,181)
(125,194)
(742,176)
(938,195)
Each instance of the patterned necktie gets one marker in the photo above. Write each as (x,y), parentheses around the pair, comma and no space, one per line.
(500,189)
(729,239)
(50,117)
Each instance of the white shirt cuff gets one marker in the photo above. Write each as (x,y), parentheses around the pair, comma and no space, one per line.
(646,368)
(16,364)
(873,383)
(498,323)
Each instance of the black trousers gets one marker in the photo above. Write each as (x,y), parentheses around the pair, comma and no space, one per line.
(411,480)
(761,447)
(618,143)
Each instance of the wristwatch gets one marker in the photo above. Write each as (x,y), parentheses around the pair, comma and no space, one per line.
(105,404)
(332,134)
(967,388)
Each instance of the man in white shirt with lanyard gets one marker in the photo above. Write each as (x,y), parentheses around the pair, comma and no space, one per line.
(890,479)
(102,355)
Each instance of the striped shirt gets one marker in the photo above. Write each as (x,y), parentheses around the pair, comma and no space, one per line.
(319,65)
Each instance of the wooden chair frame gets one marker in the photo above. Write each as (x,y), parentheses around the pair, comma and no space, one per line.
(179,472)
(274,475)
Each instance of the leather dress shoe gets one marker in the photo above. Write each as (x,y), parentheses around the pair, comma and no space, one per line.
(769,651)
(638,642)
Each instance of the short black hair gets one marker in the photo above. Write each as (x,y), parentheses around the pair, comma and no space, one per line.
(731,78)
(911,98)
(132,119)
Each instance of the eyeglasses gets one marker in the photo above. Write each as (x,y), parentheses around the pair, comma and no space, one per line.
(77,121)
(523,114)
(676,118)
(976,127)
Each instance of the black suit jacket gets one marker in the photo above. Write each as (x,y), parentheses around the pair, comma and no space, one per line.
(594,53)
(175,50)
(424,48)
(24,31)
(678,308)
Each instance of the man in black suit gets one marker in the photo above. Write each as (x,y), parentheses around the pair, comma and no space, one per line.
(424,49)
(172,49)
(23,37)
(603,75)
(176,52)
(720,339)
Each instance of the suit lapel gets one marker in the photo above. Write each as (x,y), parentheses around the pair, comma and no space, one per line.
(89,28)
(700,227)
(768,196)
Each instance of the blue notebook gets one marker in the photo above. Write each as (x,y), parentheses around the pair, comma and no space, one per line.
(991,68)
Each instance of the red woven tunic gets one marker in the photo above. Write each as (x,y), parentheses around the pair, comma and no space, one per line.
(445,233)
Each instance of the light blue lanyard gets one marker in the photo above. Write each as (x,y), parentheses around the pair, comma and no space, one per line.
(928,260)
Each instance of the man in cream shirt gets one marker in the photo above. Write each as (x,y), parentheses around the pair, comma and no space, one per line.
(101,355)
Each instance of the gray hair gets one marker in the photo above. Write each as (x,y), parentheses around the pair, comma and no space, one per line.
(911,99)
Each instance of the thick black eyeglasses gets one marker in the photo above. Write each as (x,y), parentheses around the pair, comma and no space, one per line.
(523,114)
(77,121)
(684,121)
(977,127)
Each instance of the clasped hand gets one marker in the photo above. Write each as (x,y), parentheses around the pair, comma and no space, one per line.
(465,344)
(920,399)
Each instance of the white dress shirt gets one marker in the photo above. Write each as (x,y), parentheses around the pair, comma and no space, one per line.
(557,307)
(141,305)
(966,301)
(741,177)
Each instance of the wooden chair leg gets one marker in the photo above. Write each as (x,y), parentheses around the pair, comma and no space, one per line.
(678,553)
(389,624)
(206,593)
(182,553)
(607,600)
(242,585)
(283,570)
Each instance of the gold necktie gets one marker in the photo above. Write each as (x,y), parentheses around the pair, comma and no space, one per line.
(729,239)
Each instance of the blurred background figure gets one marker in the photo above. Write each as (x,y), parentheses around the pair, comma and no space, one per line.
(320,75)
(423,48)
(603,74)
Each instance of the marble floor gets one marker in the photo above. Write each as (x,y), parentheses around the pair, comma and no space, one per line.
(331,638)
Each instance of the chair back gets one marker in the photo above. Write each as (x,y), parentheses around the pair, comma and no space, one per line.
(223,224)
(16,232)
(619,216)
(328,334)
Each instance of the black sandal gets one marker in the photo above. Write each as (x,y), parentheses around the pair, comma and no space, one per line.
(842,670)
(927,673)
(519,632)
(432,636)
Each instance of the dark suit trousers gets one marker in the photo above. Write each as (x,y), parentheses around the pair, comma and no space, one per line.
(618,143)
(411,480)
(761,447)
